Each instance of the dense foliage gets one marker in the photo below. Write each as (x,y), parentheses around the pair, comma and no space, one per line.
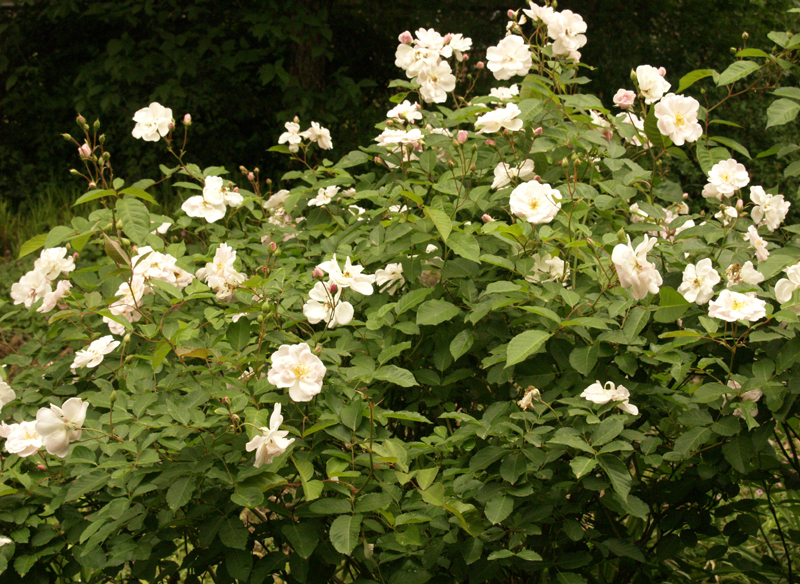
(502,344)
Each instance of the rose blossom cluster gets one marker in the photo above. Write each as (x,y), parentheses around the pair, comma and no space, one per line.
(634,270)
(314,134)
(220,275)
(36,284)
(325,298)
(148,266)
(213,203)
(565,28)
(423,56)
(54,428)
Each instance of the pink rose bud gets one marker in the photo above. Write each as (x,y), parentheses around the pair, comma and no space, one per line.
(461,136)
(378,160)
(662,71)
(740,204)
(255,170)
(296,120)
(171,125)
(273,247)
(491,143)
(235,189)
(318,350)
(685,195)
(536,177)
(405,38)
(538,131)
(624,98)
(269,181)
(511,13)
(80,119)
(480,65)
(608,134)
(226,400)
(465,57)
(187,120)
(447,38)
(92,185)
(75,256)
(41,467)
(317,273)
(487,218)
(251,176)
(85,150)
(334,288)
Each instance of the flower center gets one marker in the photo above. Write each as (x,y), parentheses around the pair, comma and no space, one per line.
(300,369)
(737,305)
(679,119)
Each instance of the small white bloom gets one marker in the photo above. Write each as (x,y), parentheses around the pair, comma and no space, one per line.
(435,82)
(547,268)
(405,111)
(22,439)
(494,121)
(277,199)
(30,288)
(733,306)
(291,136)
(785,287)
(318,134)
(272,442)
(152,122)
(54,262)
(93,355)
(460,45)
(349,277)
(51,299)
(390,278)
(566,29)
(728,176)
(60,426)
(769,210)
(757,243)
(504,173)
(297,368)
(677,118)
(198,206)
(504,93)
(324,196)
(325,305)
(726,214)
(510,57)
(535,202)
(651,83)
(602,394)
(699,281)
(7,394)
(634,271)
(5,540)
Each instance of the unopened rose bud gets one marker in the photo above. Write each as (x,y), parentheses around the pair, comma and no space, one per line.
(75,256)
(119,224)
(102,139)
(235,189)
(260,318)
(490,142)
(80,119)
(480,65)
(685,195)
(511,13)
(106,156)
(251,176)
(745,36)
(187,120)
(73,172)
(318,349)
(92,185)
(273,248)
(84,151)
(41,467)
(266,306)
(255,170)
(226,400)
(334,288)
(461,136)
(269,181)
(296,120)
(447,38)
(486,218)
(113,397)
(126,339)
(171,126)
(633,76)
(740,204)
(317,273)
(96,125)
(377,160)
(734,50)
(538,131)
(465,57)
(67,137)
(405,38)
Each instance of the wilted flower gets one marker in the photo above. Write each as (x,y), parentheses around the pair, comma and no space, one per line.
(272,442)
(297,368)
(152,122)
(699,281)
(746,273)
(60,426)
(547,268)
(733,306)
(602,394)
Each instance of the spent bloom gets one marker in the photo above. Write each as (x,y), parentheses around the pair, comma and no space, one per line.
(152,122)
(743,274)
(60,426)
(699,281)
(535,202)
(271,442)
(93,355)
(727,176)
(732,306)
(677,118)
(634,271)
(389,279)
(602,394)
(651,83)
(298,369)
(494,121)
(510,57)
(769,210)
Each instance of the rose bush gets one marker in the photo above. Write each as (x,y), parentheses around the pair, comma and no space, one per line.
(512,377)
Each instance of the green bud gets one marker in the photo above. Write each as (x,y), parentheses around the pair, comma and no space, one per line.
(67,137)
(106,156)
(745,35)
(113,397)
(96,125)
(267,306)
(119,224)
(260,318)
(126,339)
(102,138)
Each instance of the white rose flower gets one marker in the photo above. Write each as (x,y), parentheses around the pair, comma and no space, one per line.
(746,273)
(504,173)
(500,118)
(198,206)
(54,262)
(566,28)
(390,278)
(769,210)
(277,199)
(297,368)
(602,394)
(460,45)
(60,426)
(504,93)
(757,243)
(405,111)
(733,306)
(291,136)
(677,118)
(22,439)
(539,13)
(785,287)
(213,190)
(699,281)
(7,394)
(728,176)
(634,271)
(651,83)
(324,196)
(435,82)
(327,306)
(93,355)
(51,299)
(510,57)
(535,202)
(318,134)
(415,59)
(30,288)
(349,277)
(152,122)
(272,442)
(547,268)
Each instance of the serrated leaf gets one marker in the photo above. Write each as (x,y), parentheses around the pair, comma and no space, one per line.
(344,533)
(303,537)
(524,345)
(180,492)
(498,508)
(435,312)
(93,195)
(412,299)
(139,194)
(606,431)
(465,245)
(583,359)
(736,71)
(618,474)
(440,220)
(738,452)
(581,465)
(115,251)
(461,343)
(692,439)
(32,245)
(782,112)
(693,77)
(653,133)
(233,533)
(248,497)
(238,334)
(57,235)
(135,219)
(396,375)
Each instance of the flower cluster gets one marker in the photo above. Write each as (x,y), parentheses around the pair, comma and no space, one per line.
(423,57)
(54,428)
(220,274)
(213,203)
(36,284)
(564,28)
(315,133)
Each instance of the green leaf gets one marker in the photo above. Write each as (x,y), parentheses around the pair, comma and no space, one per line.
(303,537)
(752,53)
(635,322)
(57,235)
(441,220)
(581,465)
(624,549)
(159,354)
(115,252)
(618,474)
(411,299)
(672,306)
(248,497)
(732,144)
(608,429)
(233,533)
(396,375)
(524,345)
(793,92)
(344,533)
(465,245)
(238,334)
(32,245)
(692,440)
(180,492)
(738,452)
(782,112)
(139,194)
(653,133)
(513,467)
(435,312)
(95,194)
(693,77)
(737,70)
(583,359)
(498,508)
(461,343)
(135,219)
